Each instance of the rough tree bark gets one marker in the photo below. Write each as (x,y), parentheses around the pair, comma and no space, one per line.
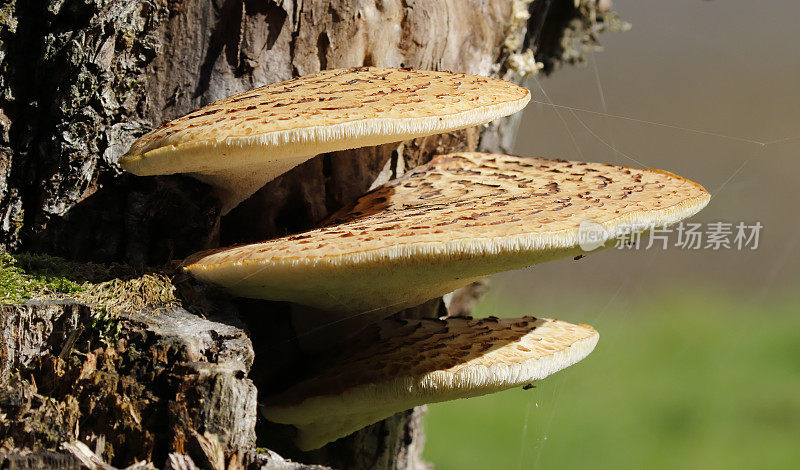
(81,79)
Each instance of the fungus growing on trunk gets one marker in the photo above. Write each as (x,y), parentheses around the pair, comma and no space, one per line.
(240,143)
(443,225)
(395,365)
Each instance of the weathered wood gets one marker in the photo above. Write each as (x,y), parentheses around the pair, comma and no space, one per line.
(39,460)
(141,383)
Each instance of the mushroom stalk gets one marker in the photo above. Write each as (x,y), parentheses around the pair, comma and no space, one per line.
(234,185)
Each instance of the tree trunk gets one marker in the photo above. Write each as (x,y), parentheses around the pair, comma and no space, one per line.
(81,79)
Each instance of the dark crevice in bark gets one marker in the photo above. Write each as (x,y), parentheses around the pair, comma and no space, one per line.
(295,34)
(562,19)
(323,43)
(225,39)
(25,128)
(327,173)
(539,10)
(276,19)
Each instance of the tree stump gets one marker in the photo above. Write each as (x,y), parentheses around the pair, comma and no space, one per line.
(80,80)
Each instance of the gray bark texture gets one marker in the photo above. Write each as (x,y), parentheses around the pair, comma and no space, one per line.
(79,81)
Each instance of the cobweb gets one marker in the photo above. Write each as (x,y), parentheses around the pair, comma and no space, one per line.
(544,401)
(753,148)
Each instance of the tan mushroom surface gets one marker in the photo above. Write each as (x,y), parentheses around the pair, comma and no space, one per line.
(395,365)
(445,224)
(240,143)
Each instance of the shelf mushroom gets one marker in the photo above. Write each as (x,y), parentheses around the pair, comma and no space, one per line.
(240,143)
(445,224)
(398,364)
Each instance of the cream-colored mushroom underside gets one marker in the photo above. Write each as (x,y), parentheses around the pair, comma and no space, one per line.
(468,358)
(457,219)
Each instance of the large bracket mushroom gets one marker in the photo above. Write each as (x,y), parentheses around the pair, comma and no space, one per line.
(395,365)
(240,143)
(443,225)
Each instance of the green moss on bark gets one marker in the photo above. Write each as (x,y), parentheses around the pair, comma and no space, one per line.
(112,288)
(18,284)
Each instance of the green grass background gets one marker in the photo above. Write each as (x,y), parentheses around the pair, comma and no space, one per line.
(685,380)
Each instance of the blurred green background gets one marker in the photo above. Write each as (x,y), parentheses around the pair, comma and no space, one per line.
(698,364)
(682,379)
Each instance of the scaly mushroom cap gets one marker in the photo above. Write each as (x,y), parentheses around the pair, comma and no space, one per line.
(400,364)
(239,143)
(445,224)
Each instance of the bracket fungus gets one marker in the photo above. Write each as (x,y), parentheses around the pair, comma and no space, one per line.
(397,364)
(446,224)
(240,143)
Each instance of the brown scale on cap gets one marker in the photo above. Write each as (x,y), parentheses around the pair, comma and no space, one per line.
(444,224)
(393,366)
(239,143)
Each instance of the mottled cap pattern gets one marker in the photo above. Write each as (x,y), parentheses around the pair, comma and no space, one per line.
(442,225)
(398,364)
(333,97)
(266,131)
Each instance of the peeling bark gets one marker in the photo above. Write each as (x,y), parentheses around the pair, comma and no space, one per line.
(137,385)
